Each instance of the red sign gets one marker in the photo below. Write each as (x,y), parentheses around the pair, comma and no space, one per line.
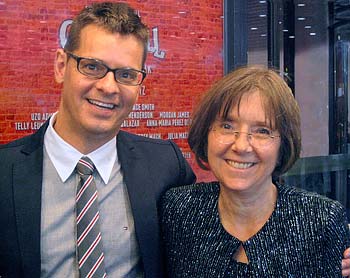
(184,60)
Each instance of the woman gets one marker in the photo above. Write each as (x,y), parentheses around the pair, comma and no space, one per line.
(246,130)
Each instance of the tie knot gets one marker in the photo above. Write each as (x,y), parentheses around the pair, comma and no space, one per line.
(85,166)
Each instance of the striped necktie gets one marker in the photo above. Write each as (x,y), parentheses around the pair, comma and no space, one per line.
(89,243)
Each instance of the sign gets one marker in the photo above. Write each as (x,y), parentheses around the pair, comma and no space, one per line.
(184,60)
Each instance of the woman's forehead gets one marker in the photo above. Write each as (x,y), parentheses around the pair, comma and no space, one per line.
(252,106)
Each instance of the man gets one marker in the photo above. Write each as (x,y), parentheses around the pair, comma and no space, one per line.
(101,70)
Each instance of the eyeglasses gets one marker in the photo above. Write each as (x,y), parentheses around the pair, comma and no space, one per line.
(96,69)
(259,136)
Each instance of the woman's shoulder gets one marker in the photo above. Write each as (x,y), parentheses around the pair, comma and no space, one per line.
(307,201)
(191,196)
(196,190)
(201,188)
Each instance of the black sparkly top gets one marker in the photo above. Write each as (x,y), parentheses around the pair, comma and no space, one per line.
(305,236)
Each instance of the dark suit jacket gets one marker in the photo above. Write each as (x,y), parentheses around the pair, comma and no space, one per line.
(149,168)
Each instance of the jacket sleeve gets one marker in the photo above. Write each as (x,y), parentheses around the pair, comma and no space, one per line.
(186,175)
(337,239)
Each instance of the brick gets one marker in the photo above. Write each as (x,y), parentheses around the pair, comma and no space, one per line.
(189,32)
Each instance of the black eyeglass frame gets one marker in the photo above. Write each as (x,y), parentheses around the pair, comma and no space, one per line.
(79,58)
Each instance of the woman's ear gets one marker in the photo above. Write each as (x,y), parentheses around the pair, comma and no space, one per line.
(60,65)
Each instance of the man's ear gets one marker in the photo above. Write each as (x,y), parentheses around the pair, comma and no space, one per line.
(60,65)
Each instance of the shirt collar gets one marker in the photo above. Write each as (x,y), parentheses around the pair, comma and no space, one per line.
(65,157)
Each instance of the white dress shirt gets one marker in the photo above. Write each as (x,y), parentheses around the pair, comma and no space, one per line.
(58,232)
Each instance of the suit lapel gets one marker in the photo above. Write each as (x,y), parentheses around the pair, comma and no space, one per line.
(27,196)
(27,184)
(27,179)
(142,198)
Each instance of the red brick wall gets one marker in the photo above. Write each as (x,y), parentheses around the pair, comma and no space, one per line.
(185,58)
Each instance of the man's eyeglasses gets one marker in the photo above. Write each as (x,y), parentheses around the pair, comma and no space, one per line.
(259,136)
(96,69)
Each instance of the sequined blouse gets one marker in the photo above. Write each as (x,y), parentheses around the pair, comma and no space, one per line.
(305,236)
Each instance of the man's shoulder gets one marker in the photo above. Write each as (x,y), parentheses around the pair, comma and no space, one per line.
(19,148)
(15,144)
(27,143)
(147,147)
(124,135)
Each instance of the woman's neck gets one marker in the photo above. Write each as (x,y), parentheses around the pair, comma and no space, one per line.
(244,214)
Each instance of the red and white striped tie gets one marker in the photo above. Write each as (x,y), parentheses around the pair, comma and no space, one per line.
(89,243)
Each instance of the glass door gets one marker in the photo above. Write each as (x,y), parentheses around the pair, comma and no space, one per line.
(341,117)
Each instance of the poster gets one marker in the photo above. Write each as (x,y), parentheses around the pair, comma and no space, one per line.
(184,58)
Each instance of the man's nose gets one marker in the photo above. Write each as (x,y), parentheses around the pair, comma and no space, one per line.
(108,84)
